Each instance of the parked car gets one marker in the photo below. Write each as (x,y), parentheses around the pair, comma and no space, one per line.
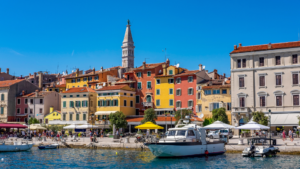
(217,133)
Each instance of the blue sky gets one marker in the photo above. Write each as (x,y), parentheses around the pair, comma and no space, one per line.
(56,35)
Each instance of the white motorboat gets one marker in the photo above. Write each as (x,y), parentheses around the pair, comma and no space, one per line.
(189,140)
(50,146)
(260,151)
(16,146)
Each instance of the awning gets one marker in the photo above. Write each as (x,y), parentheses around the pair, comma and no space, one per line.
(288,119)
(104,112)
(169,109)
(6,125)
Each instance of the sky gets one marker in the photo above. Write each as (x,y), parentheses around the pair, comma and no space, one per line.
(55,36)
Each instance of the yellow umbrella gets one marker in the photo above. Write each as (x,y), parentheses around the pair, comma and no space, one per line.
(148,125)
(36,127)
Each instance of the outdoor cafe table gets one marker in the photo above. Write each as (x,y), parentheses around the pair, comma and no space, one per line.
(257,140)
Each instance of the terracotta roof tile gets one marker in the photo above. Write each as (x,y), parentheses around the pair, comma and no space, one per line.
(149,66)
(7,83)
(79,90)
(187,72)
(265,47)
(40,94)
(116,87)
(62,85)
(216,87)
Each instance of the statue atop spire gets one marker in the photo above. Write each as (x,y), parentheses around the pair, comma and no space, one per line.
(128,21)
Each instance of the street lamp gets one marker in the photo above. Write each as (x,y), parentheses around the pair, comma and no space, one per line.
(166,121)
(270,113)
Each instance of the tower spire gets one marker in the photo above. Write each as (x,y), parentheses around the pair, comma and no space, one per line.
(128,48)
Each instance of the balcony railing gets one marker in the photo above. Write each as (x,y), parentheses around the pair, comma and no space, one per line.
(147,104)
(102,122)
(241,109)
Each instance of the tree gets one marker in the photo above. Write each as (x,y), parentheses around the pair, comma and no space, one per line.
(33,121)
(149,115)
(118,119)
(259,117)
(207,121)
(220,115)
(185,112)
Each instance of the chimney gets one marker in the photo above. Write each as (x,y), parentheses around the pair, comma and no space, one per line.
(144,65)
(240,45)
(101,68)
(51,109)
(66,72)
(200,67)
(224,75)
(269,46)
(7,71)
(234,47)
(210,82)
(168,62)
(23,92)
(29,74)
(40,80)
(93,70)
(36,93)
(77,72)
(34,78)
(164,66)
(206,71)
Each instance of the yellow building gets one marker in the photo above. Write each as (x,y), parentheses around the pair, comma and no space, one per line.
(213,94)
(164,90)
(53,115)
(111,99)
(78,104)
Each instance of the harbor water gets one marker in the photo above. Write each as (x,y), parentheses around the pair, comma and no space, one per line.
(89,158)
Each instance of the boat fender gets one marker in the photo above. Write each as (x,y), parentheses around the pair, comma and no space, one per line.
(206,153)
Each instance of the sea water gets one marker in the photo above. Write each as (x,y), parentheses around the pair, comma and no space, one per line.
(89,158)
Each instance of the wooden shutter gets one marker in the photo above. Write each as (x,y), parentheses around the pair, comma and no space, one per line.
(210,107)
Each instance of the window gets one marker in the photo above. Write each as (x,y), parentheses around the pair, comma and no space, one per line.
(26,101)
(73,80)
(64,96)
(100,103)
(239,63)
(157,81)
(178,104)
(171,102)
(19,101)
(170,81)
(190,91)
(241,82)
(96,77)
(296,100)
(148,73)
(41,111)
(31,111)
(277,60)
(137,111)
(71,117)
(199,108)
(198,95)
(84,103)
(216,91)
(78,80)
(77,116)
(131,103)
(261,81)
(207,92)
(148,85)
(137,99)
(64,117)
(71,95)
(31,101)
(261,61)
(125,103)
(178,92)
(2,110)
(224,91)
(78,95)
(295,59)
(178,80)
(157,91)
(242,101)
(64,104)
(170,72)
(138,74)
(170,91)
(83,85)
(190,79)
(84,116)
(295,79)
(262,101)
(18,111)
(190,103)
(90,78)
(215,106)
(157,102)
(278,80)
(228,106)
(244,62)
(26,110)
(84,79)
(278,100)
(77,103)
(139,85)
(125,94)
(84,95)
(71,104)
(131,94)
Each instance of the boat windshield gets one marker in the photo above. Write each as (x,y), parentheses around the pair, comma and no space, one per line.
(172,133)
(181,132)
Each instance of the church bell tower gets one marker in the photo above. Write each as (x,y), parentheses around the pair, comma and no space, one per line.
(128,49)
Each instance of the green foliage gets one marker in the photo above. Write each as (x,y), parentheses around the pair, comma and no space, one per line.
(149,115)
(33,121)
(118,119)
(245,131)
(259,117)
(220,115)
(207,121)
(178,115)
(55,128)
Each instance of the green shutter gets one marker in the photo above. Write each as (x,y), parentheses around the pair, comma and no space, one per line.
(86,103)
(64,104)
(82,102)
(117,102)
(2,110)
(98,103)
(79,103)
(112,103)
(2,95)
(70,103)
(84,116)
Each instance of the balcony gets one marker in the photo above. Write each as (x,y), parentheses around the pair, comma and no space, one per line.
(241,109)
(102,124)
(147,104)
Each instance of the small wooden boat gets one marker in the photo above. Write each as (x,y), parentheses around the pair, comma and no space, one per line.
(50,146)
(17,146)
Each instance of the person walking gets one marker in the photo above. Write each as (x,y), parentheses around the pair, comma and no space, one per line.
(101,133)
(290,134)
(91,136)
(283,135)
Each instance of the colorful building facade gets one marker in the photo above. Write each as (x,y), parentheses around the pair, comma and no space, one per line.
(53,115)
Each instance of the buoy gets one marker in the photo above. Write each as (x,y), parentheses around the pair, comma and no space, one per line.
(116,153)
(2,159)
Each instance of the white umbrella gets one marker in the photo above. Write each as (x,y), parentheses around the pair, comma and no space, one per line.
(252,125)
(72,126)
(87,126)
(218,125)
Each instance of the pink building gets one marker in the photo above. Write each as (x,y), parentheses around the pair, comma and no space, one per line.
(21,108)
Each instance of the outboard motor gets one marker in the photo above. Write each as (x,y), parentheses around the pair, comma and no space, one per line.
(252,150)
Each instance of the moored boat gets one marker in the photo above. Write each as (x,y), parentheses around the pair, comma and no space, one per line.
(50,146)
(16,146)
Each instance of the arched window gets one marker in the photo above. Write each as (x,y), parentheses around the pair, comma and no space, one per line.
(148,98)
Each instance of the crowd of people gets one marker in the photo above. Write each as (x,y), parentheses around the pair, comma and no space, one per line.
(290,134)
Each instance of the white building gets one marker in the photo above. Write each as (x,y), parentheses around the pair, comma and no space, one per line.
(263,78)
